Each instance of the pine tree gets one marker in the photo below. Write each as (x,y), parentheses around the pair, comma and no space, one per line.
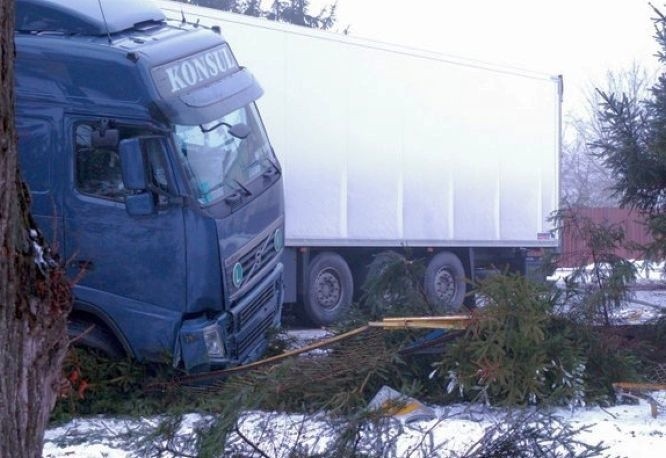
(226,5)
(252,8)
(291,11)
(632,144)
(297,12)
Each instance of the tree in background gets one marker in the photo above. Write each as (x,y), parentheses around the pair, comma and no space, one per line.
(292,11)
(296,12)
(631,143)
(34,297)
(226,5)
(252,8)
(586,181)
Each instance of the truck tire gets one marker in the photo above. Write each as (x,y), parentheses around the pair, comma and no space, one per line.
(329,289)
(98,338)
(444,282)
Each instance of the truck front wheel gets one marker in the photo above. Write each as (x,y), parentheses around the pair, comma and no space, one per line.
(329,289)
(444,282)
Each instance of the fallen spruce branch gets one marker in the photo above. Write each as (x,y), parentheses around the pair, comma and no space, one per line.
(457,322)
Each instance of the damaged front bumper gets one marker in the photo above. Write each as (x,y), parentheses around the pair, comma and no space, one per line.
(237,336)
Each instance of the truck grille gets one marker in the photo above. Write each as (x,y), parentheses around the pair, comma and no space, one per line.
(253,318)
(253,259)
(250,310)
(258,333)
(258,257)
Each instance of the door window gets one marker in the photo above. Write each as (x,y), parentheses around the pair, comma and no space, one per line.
(98,168)
(98,171)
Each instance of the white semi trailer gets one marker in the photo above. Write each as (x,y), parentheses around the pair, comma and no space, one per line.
(385,148)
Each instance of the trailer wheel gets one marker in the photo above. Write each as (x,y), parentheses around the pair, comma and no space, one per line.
(85,333)
(329,289)
(444,282)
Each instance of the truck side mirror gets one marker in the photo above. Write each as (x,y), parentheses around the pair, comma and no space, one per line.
(133,165)
(240,131)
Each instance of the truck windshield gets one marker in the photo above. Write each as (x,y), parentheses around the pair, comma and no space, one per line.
(219,163)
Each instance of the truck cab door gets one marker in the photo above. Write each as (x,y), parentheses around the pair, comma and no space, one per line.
(130,268)
(40,158)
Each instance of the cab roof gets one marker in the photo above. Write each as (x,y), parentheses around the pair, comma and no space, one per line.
(85,17)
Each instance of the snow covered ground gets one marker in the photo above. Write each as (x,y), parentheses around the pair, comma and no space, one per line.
(647,295)
(644,305)
(626,430)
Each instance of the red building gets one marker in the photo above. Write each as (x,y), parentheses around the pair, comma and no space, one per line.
(575,247)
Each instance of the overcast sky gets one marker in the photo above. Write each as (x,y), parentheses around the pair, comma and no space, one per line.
(580,39)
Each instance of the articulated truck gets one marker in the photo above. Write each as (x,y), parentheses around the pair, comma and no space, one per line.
(151,172)
(387,148)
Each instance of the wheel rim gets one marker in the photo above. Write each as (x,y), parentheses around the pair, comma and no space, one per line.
(445,286)
(328,289)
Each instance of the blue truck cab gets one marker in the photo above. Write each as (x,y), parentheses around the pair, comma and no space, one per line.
(151,173)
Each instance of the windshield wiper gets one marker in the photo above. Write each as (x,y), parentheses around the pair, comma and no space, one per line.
(246,191)
(216,187)
(238,194)
(274,170)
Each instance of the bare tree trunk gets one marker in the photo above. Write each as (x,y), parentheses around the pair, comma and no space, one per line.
(33,304)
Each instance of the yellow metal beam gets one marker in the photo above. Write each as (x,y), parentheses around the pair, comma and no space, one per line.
(425,322)
(629,386)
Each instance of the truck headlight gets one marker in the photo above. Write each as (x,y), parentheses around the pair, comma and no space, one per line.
(214,345)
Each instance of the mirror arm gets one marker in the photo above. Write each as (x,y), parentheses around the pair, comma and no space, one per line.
(173,199)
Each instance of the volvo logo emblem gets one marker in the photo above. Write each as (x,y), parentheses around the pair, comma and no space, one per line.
(257,259)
